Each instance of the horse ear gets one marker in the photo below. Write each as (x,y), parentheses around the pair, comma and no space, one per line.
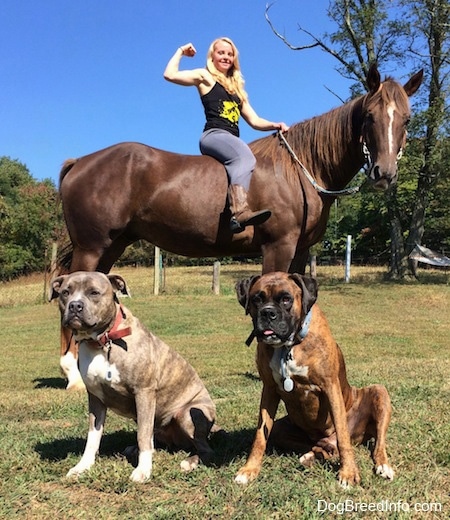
(55,286)
(119,284)
(413,83)
(373,78)
(308,286)
(243,288)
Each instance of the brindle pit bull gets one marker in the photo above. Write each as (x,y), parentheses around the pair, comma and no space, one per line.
(300,363)
(128,369)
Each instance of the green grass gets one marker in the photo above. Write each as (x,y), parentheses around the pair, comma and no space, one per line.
(395,334)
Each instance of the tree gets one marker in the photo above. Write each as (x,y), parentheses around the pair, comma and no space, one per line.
(430,42)
(30,219)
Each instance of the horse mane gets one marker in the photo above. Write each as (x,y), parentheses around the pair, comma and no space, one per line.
(319,141)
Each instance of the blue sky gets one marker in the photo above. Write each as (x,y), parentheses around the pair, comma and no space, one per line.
(79,75)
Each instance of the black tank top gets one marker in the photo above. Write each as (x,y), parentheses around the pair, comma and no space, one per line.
(222,109)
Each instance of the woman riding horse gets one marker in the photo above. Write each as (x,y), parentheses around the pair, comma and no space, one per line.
(221,88)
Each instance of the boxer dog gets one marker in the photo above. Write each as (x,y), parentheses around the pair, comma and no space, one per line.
(300,363)
(128,369)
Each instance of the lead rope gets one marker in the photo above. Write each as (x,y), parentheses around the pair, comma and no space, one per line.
(347,191)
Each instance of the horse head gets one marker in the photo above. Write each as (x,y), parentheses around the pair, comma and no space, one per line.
(386,113)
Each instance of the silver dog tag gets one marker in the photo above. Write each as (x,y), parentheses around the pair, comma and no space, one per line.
(288,384)
(108,376)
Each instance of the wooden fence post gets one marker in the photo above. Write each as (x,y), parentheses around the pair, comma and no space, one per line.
(348,258)
(313,266)
(157,271)
(216,278)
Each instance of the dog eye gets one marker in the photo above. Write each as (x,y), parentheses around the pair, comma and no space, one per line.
(65,292)
(95,293)
(257,300)
(286,301)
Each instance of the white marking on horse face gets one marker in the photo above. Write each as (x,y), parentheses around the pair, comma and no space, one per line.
(391,110)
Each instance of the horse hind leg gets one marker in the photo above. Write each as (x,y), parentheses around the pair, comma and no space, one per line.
(100,259)
(85,259)
(69,361)
(82,260)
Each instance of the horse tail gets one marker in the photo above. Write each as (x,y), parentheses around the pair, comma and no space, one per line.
(66,167)
(63,259)
(65,253)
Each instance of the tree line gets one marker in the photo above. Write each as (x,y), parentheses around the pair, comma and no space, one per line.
(385,228)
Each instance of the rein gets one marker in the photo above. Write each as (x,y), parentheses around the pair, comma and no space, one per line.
(317,187)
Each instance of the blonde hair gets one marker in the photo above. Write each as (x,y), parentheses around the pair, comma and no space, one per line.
(233,82)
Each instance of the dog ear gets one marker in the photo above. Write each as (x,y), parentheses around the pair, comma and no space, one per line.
(119,284)
(243,288)
(55,286)
(308,286)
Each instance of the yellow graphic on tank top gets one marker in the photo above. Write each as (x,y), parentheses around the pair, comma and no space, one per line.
(230,111)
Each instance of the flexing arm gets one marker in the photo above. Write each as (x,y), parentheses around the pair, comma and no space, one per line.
(259,123)
(187,78)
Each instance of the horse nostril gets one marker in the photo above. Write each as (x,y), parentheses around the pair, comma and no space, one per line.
(375,173)
(76,306)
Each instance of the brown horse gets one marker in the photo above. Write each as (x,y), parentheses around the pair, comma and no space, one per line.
(130,191)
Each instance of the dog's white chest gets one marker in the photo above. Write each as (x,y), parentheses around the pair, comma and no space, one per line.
(95,368)
(284,367)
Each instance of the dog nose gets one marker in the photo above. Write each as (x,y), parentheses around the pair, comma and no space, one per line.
(269,313)
(76,306)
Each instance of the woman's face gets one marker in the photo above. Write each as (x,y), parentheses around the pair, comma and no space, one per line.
(223,56)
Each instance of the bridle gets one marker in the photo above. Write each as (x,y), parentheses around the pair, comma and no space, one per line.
(347,191)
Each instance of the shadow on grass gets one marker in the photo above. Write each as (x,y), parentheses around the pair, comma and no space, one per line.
(49,382)
(227,446)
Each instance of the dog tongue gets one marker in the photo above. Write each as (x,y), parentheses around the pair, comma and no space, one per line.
(268,332)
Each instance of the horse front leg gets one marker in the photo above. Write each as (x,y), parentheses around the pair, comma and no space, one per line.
(279,256)
(82,260)
(299,262)
(69,361)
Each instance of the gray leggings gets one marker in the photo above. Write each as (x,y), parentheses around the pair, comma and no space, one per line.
(232,152)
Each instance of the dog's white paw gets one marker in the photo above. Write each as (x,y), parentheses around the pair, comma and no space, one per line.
(385,471)
(144,469)
(77,470)
(190,463)
(241,479)
(140,475)
(308,459)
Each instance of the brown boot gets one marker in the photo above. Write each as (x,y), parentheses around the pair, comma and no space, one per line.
(242,215)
